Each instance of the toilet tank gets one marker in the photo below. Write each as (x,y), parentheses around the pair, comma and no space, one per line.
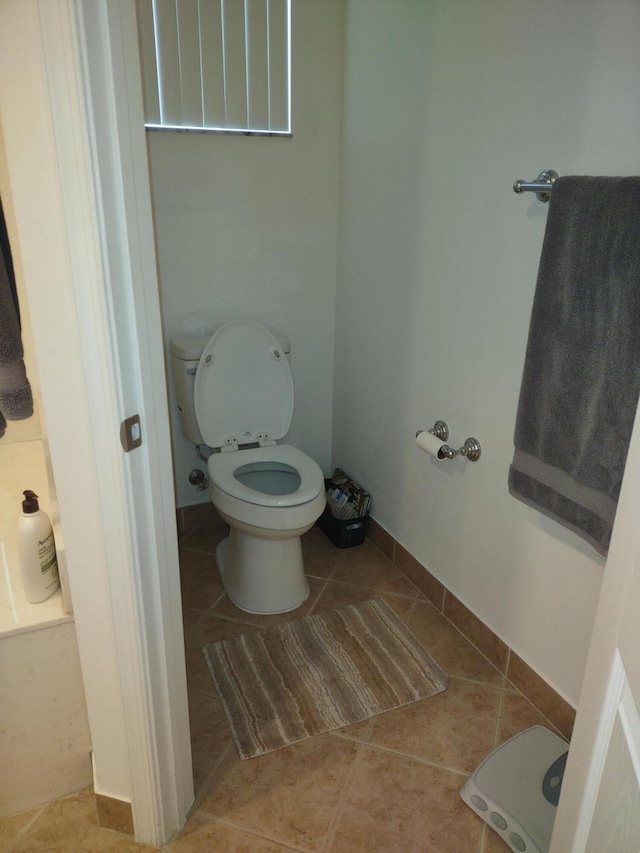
(185,356)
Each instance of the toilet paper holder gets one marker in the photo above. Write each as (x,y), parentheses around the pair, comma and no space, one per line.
(471,448)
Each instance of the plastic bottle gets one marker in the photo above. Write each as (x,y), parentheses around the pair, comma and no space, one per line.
(36,551)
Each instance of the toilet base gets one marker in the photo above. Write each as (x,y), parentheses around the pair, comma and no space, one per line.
(262,576)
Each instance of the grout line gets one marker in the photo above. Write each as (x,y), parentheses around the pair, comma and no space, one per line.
(310,574)
(205,695)
(204,788)
(378,591)
(343,556)
(473,645)
(410,613)
(498,725)
(409,756)
(335,820)
(253,832)
(27,826)
(437,766)
(318,597)
(202,613)
(478,681)
(236,621)
(184,547)
(551,725)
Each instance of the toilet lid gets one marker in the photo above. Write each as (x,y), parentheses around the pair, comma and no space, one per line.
(243,387)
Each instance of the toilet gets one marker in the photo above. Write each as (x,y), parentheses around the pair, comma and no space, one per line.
(235,394)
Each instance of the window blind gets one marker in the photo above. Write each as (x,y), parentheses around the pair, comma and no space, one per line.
(218,65)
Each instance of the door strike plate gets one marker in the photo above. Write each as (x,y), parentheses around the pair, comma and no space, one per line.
(131,433)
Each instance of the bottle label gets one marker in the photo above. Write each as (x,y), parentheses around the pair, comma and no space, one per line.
(47,556)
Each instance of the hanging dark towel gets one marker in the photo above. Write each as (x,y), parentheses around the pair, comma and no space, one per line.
(581,378)
(16,401)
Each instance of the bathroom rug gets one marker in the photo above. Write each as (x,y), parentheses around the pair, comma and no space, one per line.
(283,684)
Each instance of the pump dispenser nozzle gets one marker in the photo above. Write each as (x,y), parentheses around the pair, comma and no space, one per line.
(30,503)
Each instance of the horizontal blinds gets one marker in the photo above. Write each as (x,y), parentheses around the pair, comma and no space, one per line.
(217,64)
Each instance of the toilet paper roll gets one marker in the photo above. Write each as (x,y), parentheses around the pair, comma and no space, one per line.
(430,443)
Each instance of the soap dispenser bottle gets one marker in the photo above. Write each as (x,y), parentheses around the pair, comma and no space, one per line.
(36,551)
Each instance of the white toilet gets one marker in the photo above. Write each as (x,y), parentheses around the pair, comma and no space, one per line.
(235,395)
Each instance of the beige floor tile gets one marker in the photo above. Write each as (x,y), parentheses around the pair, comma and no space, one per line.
(70,826)
(205,538)
(455,728)
(210,736)
(383,540)
(320,554)
(357,731)
(550,703)
(396,805)
(228,610)
(397,800)
(454,653)
(480,634)
(190,616)
(429,586)
(14,824)
(202,834)
(289,796)
(199,580)
(517,715)
(492,843)
(367,566)
(199,515)
(336,595)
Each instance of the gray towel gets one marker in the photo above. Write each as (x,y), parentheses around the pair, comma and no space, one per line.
(16,401)
(581,376)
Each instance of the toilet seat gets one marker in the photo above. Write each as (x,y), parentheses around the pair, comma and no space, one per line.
(243,390)
(222,468)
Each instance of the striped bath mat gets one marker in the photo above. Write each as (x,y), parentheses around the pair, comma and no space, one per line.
(312,675)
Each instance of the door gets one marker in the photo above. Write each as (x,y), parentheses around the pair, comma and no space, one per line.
(599,808)
(71,109)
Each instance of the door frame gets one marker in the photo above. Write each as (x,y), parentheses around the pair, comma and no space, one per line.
(77,161)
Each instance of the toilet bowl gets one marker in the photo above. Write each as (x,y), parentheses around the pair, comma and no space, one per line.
(269,497)
(269,494)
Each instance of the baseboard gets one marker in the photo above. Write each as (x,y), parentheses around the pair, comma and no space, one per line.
(534,688)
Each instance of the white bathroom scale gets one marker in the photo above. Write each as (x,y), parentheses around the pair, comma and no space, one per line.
(516,789)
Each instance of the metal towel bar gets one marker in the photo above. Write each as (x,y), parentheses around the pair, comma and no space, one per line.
(542,185)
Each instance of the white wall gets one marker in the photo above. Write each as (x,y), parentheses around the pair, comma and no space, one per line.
(247,227)
(447,104)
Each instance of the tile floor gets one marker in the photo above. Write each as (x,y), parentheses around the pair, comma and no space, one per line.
(383,786)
